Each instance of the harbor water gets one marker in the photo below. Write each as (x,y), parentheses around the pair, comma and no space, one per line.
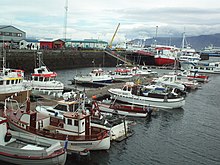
(186,136)
(190,135)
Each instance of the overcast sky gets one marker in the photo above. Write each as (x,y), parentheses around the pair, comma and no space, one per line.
(98,19)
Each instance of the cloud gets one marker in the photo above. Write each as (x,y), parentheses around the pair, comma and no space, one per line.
(99,19)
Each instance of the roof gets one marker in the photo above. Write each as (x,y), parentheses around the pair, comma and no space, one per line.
(5,26)
(31,40)
(90,41)
(50,40)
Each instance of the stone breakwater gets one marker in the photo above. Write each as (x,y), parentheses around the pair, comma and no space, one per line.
(58,59)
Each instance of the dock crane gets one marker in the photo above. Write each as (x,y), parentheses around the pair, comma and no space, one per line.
(110,44)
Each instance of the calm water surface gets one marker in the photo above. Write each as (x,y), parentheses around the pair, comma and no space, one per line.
(187,136)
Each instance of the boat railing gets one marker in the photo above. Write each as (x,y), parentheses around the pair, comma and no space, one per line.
(97,134)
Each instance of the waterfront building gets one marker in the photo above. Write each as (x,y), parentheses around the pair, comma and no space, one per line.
(51,43)
(32,44)
(86,44)
(10,36)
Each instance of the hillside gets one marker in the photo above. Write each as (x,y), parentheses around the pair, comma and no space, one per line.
(197,42)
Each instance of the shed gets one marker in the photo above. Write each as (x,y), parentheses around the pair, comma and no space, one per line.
(51,43)
(32,44)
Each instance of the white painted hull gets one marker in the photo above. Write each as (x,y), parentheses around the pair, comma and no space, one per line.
(147,101)
(79,145)
(56,160)
(200,68)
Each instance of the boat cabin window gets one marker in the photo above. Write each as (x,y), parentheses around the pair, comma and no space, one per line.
(16,81)
(46,79)
(51,111)
(71,108)
(69,121)
(12,81)
(64,120)
(7,82)
(61,107)
(41,78)
(1,82)
(52,78)
(76,123)
(35,78)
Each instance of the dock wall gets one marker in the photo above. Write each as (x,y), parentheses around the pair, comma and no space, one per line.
(58,59)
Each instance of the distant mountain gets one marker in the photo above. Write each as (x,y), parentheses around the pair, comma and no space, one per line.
(197,42)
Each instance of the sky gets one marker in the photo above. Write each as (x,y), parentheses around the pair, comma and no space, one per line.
(98,19)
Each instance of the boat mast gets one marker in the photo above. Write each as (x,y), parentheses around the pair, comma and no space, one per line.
(38,60)
(183,41)
(3,57)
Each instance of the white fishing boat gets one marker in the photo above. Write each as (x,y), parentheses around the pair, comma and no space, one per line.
(75,126)
(133,94)
(170,80)
(140,71)
(195,76)
(121,74)
(12,84)
(95,77)
(23,149)
(201,67)
(43,81)
(187,53)
(115,126)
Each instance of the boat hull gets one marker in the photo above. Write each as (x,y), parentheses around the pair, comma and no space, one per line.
(147,101)
(160,61)
(29,161)
(128,112)
(73,146)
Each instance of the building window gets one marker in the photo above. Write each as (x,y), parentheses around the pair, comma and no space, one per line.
(18,34)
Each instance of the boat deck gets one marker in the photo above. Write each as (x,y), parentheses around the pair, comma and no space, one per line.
(22,145)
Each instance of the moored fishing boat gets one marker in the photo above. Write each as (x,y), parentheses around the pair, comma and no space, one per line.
(122,109)
(75,126)
(201,67)
(95,77)
(43,81)
(121,74)
(23,149)
(133,94)
(12,84)
(115,126)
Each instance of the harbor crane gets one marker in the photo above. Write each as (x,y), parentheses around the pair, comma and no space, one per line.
(110,44)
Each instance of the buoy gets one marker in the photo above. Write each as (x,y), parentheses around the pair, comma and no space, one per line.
(94,97)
